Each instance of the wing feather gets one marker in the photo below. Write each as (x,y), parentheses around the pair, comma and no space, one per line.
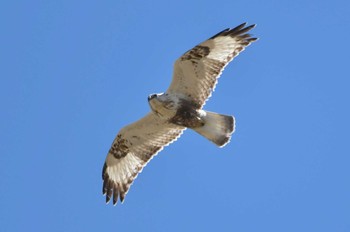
(196,72)
(134,146)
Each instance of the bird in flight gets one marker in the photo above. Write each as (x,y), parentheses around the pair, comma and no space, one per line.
(194,78)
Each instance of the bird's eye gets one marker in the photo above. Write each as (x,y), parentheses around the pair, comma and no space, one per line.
(150,97)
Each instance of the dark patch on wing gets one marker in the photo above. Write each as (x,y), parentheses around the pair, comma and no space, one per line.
(117,189)
(211,67)
(119,148)
(196,53)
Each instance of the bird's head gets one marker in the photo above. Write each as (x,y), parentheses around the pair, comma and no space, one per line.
(157,96)
(152,96)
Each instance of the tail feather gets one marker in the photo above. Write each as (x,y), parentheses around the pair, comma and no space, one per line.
(218,128)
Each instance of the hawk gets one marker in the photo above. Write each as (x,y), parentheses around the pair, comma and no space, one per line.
(194,78)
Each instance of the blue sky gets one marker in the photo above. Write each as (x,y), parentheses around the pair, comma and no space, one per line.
(74,72)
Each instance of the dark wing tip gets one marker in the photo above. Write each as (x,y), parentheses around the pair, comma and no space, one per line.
(104,171)
(220,33)
(112,189)
(115,195)
(240,31)
(241,35)
(239,27)
(108,198)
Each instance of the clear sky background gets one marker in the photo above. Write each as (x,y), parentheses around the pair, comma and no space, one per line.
(74,72)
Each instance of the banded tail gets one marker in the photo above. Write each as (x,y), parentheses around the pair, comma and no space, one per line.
(218,128)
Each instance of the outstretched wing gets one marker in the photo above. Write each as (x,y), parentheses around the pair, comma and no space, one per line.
(131,150)
(196,72)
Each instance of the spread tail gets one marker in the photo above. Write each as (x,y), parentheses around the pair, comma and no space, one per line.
(217,128)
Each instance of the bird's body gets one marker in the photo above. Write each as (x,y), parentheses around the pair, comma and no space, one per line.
(176,109)
(180,107)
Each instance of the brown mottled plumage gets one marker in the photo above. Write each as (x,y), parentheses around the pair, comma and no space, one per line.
(195,76)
